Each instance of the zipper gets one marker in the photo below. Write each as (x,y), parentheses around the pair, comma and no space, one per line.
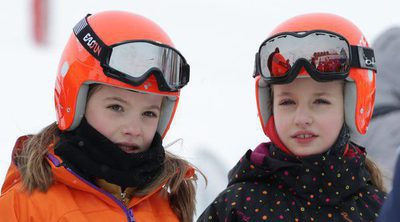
(123,197)
(128,212)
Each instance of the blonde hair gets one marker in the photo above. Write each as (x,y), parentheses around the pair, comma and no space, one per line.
(376,174)
(36,173)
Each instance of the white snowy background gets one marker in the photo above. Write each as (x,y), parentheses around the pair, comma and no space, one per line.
(217,116)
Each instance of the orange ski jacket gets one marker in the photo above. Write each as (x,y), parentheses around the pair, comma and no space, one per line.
(74,199)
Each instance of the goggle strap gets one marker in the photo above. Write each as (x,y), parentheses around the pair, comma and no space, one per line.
(185,74)
(363,57)
(256,70)
(90,41)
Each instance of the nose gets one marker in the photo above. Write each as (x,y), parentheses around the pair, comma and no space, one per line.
(132,127)
(303,116)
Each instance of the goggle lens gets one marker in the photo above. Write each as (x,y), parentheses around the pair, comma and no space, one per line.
(136,59)
(324,52)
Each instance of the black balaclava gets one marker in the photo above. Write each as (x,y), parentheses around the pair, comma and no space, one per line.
(94,156)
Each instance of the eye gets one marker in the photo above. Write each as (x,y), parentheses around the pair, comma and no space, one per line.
(322,101)
(150,114)
(116,108)
(286,102)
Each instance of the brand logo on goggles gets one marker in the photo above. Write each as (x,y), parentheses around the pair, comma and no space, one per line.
(368,56)
(370,62)
(92,43)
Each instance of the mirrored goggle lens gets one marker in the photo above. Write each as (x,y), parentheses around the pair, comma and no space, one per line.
(326,53)
(138,58)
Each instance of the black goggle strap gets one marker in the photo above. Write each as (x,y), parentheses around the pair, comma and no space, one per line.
(256,69)
(363,57)
(90,41)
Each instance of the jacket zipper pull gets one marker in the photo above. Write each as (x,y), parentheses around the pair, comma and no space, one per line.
(123,196)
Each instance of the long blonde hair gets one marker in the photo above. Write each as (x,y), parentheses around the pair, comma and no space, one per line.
(36,173)
(376,174)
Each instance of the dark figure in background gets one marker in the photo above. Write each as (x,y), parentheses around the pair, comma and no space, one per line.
(270,57)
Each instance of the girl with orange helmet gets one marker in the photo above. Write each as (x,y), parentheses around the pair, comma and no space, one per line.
(310,171)
(117,89)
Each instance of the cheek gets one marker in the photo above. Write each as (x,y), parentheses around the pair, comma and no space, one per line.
(100,122)
(280,113)
(282,122)
(150,127)
(149,130)
(333,122)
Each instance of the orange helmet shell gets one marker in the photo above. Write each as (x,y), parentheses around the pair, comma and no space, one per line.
(78,68)
(360,85)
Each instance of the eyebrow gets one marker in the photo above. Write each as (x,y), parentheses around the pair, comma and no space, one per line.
(322,94)
(119,99)
(154,107)
(284,94)
(315,94)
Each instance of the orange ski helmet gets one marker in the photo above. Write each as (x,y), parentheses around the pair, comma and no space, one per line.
(359,92)
(79,65)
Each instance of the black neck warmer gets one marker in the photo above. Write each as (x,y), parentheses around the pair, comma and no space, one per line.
(94,156)
(327,176)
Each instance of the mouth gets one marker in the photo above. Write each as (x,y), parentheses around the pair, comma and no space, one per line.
(129,148)
(304,137)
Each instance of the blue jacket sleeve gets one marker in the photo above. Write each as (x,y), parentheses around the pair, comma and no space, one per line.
(390,210)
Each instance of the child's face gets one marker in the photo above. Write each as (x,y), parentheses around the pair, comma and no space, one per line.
(127,118)
(308,114)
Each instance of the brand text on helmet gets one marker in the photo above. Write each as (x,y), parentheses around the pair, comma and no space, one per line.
(92,43)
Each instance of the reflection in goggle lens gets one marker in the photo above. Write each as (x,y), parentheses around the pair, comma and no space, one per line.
(326,53)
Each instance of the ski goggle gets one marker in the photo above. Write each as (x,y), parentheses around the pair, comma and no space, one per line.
(325,56)
(134,61)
